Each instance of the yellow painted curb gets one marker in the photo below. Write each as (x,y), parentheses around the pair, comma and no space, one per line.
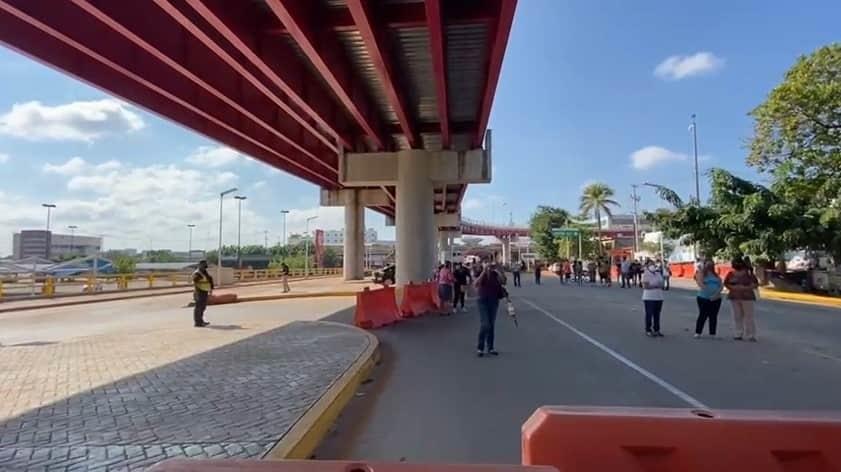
(262,298)
(804,298)
(306,434)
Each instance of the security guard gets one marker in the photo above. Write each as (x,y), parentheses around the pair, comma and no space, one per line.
(203,285)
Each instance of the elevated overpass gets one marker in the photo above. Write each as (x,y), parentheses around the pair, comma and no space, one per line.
(382,103)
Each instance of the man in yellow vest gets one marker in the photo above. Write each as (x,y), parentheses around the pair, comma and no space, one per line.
(203,285)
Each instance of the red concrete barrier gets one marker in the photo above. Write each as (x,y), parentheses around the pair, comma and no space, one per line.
(222,299)
(433,293)
(375,308)
(223,465)
(417,300)
(723,270)
(591,439)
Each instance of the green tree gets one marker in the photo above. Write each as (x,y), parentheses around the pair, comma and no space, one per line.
(596,198)
(330,258)
(541,224)
(125,265)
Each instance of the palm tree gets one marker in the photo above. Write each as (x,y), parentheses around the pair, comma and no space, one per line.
(595,200)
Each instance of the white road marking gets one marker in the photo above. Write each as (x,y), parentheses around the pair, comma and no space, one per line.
(629,363)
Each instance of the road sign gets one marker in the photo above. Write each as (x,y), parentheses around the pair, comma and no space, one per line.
(565,232)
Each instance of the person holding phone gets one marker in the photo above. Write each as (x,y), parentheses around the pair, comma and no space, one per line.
(709,298)
(741,284)
(652,298)
(490,291)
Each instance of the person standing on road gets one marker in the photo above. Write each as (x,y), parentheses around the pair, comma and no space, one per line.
(490,291)
(652,299)
(537,269)
(202,287)
(284,276)
(461,277)
(709,298)
(445,288)
(625,272)
(667,274)
(515,270)
(741,285)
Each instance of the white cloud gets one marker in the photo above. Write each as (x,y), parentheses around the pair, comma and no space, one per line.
(651,156)
(214,156)
(109,165)
(258,185)
(681,67)
(4,158)
(73,166)
(76,121)
(472,204)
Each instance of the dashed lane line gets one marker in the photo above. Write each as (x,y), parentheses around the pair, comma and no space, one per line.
(694,402)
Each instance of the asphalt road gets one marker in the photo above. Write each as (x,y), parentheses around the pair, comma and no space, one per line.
(432,400)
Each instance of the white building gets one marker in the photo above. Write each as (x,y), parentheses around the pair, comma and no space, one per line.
(39,243)
(335,237)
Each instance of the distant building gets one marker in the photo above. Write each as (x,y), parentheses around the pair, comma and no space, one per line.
(335,237)
(40,243)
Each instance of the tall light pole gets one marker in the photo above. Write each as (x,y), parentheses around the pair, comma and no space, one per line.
(283,249)
(49,207)
(239,199)
(635,198)
(694,127)
(72,229)
(219,253)
(307,247)
(190,243)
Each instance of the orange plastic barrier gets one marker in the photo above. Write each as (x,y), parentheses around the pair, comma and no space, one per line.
(375,308)
(591,439)
(222,299)
(723,270)
(417,300)
(433,293)
(220,465)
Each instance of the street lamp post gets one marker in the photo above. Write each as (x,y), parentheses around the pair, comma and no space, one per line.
(239,199)
(635,198)
(694,127)
(190,243)
(48,206)
(72,229)
(219,253)
(307,247)
(283,252)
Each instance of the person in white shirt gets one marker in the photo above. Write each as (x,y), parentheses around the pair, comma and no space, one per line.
(652,298)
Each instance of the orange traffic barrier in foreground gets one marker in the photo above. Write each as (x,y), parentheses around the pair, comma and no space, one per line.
(222,299)
(220,465)
(375,308)
(433,293)
(417,300)
(591,439)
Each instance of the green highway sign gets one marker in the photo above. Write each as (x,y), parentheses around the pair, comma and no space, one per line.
(565,232)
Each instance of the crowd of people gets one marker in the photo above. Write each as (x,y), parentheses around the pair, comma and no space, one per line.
(487,281)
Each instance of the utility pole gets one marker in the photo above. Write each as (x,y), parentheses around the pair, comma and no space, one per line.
(266,240)
(72,229)
(307,247)
(219,253)
(635,198)
(283,249)
(695,153)
(239,199)
(190,243)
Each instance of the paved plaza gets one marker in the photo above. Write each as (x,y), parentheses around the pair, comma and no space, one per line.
(122,385)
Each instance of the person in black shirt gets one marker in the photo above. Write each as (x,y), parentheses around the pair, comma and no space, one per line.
(462,277)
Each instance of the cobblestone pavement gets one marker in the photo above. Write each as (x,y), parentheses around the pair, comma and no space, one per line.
(232,401)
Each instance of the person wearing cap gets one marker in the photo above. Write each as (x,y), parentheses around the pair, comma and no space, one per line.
(202,285)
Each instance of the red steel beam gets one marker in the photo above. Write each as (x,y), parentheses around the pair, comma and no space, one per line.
(191,26)
(437,42)
(277,61)
(499,38)
(377,45)
(184,54)
(409,15)
(326,54)
(24,27)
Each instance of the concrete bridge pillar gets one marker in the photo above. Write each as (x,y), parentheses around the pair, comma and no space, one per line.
(415,218)
(354,245)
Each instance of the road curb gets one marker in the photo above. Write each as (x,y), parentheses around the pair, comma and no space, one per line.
(801,298)
(301,440)
(263,298)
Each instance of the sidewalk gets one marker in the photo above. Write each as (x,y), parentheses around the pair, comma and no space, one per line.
(314,285)
(158,388)
(770,293)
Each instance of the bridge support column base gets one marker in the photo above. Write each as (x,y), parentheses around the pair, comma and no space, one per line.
(415,225)
(354,245)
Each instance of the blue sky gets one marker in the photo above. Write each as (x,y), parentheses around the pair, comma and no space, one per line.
(580,93)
